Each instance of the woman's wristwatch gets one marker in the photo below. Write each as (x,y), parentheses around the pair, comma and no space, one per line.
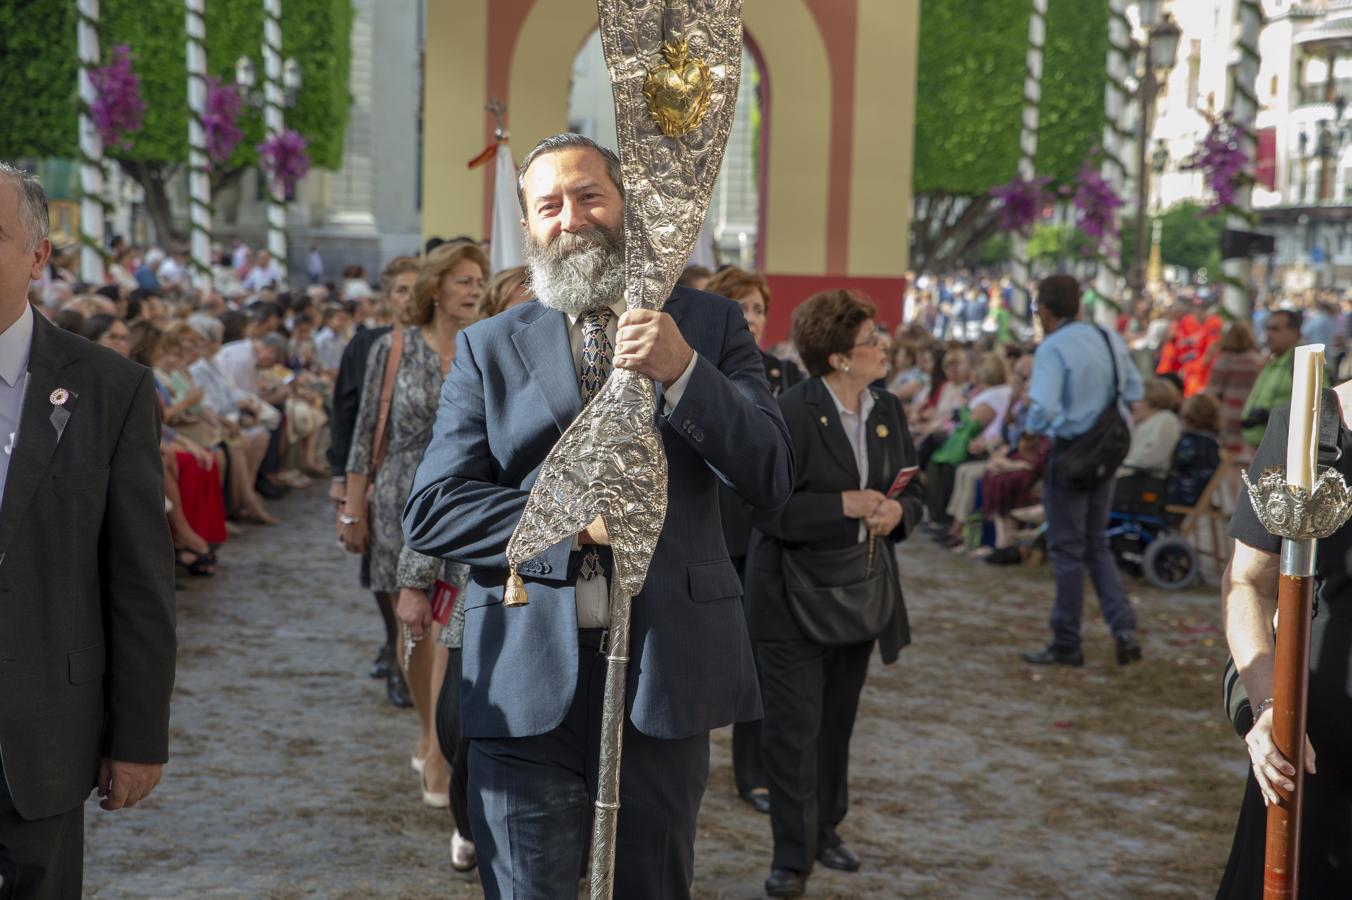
(1261,708)
(345,519)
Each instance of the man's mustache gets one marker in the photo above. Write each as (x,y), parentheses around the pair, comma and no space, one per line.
(567,243)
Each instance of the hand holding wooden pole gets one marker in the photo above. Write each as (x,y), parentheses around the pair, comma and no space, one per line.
(1295,593)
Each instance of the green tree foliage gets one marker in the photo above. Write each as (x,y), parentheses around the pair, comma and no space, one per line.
(1190,239)
(969,93)
(969,109)
(316,34)
(973,57)
(154,30)
(1074,77)
(40,98)
(38,66)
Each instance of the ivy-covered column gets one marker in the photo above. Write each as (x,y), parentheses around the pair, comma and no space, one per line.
(199,179)
(1243,110)
(91,148)
(273,125)
(1032,109)
(1115,137)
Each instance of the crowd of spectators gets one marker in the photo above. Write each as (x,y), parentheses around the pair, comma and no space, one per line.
(961,363)
(244,370)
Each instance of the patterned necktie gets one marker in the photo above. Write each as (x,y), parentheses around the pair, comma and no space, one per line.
(597,352)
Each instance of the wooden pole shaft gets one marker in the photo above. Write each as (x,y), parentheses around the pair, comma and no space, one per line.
(1290,691)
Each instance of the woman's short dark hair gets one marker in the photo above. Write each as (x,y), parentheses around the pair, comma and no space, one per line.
(829,323)
(145,343)
(96,326)
(1060,295)
(70,319)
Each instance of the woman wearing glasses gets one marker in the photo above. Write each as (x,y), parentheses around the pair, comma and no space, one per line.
(833,539)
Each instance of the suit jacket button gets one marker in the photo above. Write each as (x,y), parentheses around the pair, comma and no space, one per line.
(697,434)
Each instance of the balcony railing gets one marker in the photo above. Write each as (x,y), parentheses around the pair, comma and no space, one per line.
(1310,94)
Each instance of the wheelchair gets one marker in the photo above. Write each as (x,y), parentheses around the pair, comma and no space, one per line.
(1140,534)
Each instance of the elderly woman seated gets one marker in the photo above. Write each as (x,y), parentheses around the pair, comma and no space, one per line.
(1155,431)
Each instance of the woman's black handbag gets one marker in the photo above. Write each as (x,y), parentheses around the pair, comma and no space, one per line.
(838,596)
(1083,463)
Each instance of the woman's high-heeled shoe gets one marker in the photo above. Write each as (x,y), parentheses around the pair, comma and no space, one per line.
(432,798)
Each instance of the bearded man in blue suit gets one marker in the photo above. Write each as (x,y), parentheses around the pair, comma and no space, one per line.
(533,676)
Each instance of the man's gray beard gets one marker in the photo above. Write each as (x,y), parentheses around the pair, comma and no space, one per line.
(577,271)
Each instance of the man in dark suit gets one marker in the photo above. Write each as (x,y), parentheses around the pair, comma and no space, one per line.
(86,574)
(751,292)
(533,676)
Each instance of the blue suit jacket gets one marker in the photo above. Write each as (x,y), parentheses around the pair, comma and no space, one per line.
(511,393)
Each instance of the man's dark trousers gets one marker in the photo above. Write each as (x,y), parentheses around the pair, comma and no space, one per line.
(748,766)
(531,802)
(1077,541)
(40,859)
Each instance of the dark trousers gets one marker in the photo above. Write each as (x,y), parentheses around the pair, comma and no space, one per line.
(454,746)
(1077,541)
(811,696)
(40,859)
(531,801)
(748,769)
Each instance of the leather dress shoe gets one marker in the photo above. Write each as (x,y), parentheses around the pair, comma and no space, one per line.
(396,691)
(384,661)
(1054,656)
(758,799)
(785,883)
(1128,649)
(839,857)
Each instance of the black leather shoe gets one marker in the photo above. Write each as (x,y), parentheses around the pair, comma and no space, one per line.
(396,691)
(785,883)
(839,857)
(1128,650)
(1054,656)
(758,799)
(383,663)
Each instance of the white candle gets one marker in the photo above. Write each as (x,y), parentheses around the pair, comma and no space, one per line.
(1302,438)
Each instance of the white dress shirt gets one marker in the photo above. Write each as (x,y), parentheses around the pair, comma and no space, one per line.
(15,345)
(237,360)
(593,596)
(854,424)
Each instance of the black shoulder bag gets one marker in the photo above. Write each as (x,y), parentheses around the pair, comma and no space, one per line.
(1083,463)
(840,596)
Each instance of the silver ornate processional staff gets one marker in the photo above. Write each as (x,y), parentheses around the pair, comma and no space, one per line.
(675,77)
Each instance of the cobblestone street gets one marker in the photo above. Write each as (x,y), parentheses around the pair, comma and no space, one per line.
(973,776)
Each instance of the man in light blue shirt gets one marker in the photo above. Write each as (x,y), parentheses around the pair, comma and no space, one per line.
(1073,383)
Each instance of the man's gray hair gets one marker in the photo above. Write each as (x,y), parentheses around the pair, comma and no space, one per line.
(565,141)
(32,204)
(207,326)
(275,341)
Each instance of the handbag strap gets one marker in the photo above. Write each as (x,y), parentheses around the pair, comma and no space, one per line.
(1112,359)
(382,441)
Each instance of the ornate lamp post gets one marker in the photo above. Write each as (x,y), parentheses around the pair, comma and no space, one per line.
(1158,54)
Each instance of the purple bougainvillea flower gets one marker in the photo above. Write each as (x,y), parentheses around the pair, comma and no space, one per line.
(118,110)
(221,120)
(1022,201)
(283,156)
(1223,161)
(1096,204)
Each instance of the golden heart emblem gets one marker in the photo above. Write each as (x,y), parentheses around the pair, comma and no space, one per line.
(678,91)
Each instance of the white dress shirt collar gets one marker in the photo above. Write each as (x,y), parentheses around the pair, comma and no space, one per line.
(15,344)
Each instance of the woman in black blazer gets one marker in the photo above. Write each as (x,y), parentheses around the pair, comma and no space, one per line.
(811,690)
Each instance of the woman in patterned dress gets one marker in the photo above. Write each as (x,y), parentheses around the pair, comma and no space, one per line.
(445,296)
